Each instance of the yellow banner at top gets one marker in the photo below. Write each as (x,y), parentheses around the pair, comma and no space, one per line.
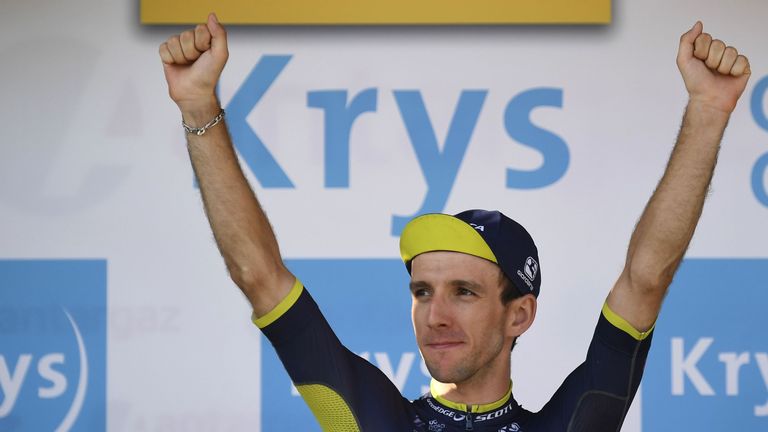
(378,12)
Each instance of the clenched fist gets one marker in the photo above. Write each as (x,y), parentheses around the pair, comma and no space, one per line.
(714,74)
(193,62)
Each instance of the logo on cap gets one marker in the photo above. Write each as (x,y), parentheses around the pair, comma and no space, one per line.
(477,227)
(531,268)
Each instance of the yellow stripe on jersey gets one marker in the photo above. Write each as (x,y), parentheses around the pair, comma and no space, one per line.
(281,307)
(622,324)
(484,408)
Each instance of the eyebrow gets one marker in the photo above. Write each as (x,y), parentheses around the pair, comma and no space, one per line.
(414,285)
(468,283)
(417,285)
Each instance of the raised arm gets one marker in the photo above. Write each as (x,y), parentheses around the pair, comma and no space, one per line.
(715,77)
(193,62)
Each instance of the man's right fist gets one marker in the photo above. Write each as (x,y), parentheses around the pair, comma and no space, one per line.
(193,62)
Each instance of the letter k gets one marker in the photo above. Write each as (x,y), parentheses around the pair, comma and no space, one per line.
(247,143)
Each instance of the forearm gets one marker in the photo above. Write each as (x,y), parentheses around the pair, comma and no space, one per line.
(667,225)
(715,76)
(240,227)
(665,229)
(192,64)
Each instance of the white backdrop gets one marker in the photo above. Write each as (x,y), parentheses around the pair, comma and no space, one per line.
(93,165)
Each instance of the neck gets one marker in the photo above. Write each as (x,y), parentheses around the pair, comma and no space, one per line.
(486,386)
(468,399)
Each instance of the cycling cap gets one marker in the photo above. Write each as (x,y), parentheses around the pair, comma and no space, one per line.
(482,233)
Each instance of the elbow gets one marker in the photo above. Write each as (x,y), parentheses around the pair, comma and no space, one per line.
(650,276)
(253,277)
(244,277)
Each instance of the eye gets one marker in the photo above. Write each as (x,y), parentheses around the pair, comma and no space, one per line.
(420,292)
(465,292)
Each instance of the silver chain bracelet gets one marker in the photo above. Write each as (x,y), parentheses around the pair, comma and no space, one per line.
(199,131)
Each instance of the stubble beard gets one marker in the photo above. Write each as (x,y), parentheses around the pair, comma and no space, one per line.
(468,366)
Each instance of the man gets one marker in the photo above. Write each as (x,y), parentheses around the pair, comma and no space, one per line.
(474,276)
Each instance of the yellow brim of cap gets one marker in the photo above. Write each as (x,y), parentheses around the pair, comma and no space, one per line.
(441,232)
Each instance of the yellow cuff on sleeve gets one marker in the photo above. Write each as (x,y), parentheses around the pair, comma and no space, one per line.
(281,307)
(623,325)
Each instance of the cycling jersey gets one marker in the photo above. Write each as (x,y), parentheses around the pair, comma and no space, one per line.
(348,394)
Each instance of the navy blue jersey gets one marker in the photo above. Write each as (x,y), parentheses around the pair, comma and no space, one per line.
(348,394)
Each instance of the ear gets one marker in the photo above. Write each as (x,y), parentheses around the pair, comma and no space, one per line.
(520,315)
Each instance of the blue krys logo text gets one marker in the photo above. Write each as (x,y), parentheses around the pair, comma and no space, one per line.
(439,163)
(708,367)
(52,345)
(759,169)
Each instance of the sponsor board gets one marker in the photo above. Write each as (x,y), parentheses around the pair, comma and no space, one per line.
(708,367)
(52,345)
(379,12)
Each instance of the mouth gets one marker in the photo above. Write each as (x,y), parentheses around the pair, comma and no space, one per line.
(443,346)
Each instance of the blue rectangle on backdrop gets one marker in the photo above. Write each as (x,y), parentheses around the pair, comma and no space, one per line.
(708,368)
(368,304)
(53,345)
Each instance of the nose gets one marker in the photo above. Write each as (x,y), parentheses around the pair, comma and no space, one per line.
(439,314)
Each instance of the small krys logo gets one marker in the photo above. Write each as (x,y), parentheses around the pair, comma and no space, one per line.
(531,268)
(52,345)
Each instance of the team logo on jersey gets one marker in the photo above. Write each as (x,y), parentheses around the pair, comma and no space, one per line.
(531,268)
(434,426)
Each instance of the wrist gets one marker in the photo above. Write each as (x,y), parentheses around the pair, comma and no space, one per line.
(199,111)
(710,106)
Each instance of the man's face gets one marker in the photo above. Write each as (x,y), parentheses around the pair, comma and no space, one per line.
(458,317)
